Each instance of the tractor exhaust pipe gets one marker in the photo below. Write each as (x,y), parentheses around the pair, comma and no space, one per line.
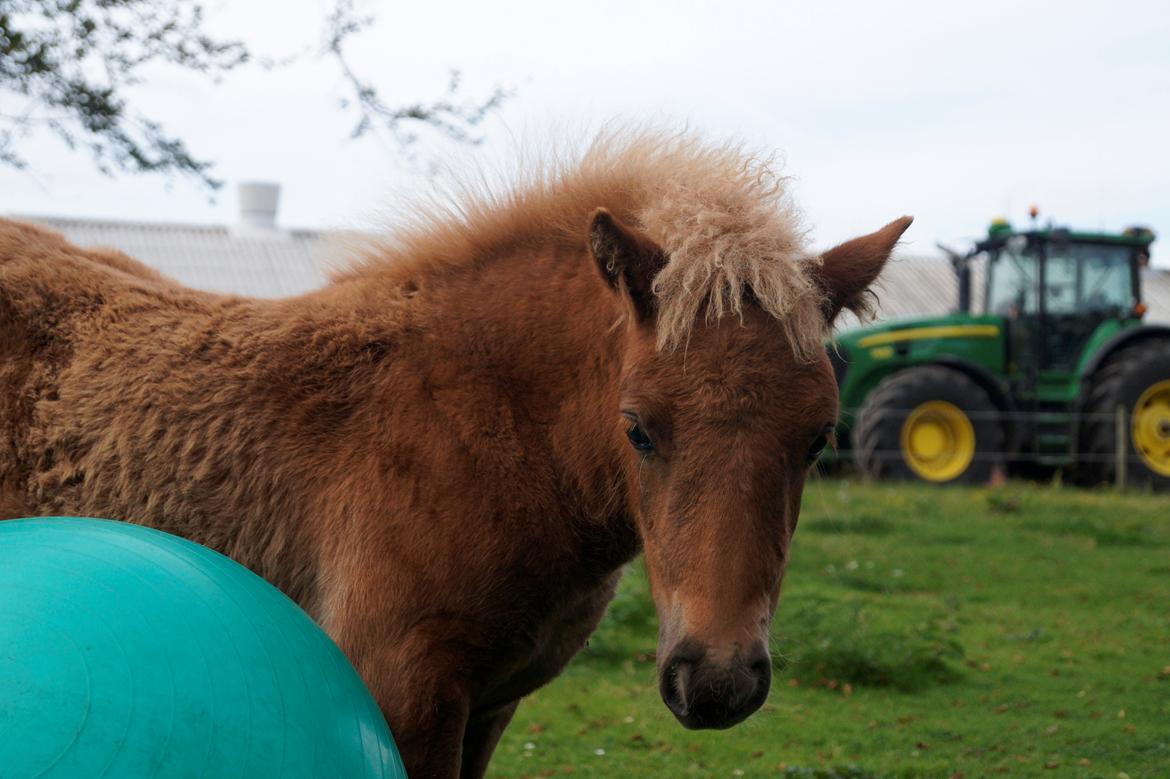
(962,266)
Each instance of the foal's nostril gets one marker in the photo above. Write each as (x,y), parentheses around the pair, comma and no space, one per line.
(675,685)
(761,671)
(682,681)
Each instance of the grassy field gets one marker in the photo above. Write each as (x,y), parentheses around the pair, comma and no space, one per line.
(1022,631)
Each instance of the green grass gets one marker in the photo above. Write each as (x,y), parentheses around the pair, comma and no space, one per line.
(1022,632)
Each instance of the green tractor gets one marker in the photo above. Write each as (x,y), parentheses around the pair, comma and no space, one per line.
(1055,371)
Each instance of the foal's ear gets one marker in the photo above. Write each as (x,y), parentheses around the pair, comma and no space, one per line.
(847,270)
(628,259)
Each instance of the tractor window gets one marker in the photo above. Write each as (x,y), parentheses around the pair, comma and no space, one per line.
(1060,282)
(1078,277)
(1087,277)
(1105,282)
(1012,288)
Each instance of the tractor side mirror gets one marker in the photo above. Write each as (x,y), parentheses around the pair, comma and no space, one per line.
(961,263)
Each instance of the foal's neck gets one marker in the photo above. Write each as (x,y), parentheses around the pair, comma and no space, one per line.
(544,329)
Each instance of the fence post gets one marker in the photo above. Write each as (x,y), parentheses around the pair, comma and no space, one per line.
(1121,446)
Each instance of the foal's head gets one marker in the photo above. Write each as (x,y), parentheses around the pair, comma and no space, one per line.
(721,427)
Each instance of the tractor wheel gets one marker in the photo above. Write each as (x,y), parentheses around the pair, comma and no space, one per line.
(1137,378)
(929,423)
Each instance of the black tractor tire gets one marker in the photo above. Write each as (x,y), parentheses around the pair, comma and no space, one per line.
(1120,381)
(877,436)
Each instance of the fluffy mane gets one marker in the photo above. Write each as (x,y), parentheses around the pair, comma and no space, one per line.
(722,214)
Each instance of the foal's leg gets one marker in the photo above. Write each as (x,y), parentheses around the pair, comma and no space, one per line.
(421,695)
(429,735)
(480,739)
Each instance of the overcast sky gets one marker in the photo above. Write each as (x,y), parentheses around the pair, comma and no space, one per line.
(954,112)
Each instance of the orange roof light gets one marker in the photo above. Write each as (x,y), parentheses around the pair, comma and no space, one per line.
(1033,210)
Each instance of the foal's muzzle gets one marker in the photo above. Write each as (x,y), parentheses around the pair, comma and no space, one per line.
(703,694)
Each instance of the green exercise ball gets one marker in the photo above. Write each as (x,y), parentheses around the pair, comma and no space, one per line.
(128,652)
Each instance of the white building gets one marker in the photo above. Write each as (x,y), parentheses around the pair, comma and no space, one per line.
(256,257)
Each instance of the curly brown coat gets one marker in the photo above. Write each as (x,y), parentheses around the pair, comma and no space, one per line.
(430,454)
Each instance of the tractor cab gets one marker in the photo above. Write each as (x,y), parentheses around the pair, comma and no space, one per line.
(1055,290)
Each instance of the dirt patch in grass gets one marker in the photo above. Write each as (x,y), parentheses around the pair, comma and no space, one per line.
(863,524)
(1105,532)
(823,642)
(839,772)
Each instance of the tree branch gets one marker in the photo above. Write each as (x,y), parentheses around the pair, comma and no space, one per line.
(74,59)
(453,118)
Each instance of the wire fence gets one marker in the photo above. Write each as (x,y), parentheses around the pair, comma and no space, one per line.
(1099,443)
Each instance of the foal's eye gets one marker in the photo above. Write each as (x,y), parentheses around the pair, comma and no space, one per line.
(818,446)
(638,438)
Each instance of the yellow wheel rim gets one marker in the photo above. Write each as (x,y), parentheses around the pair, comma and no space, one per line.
(938,441)
(1150,427)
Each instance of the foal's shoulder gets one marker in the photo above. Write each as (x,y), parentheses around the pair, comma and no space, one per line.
(21,240)
(45,280)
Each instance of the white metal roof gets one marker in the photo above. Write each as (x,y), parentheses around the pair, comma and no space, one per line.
(261,263)
(276,263)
